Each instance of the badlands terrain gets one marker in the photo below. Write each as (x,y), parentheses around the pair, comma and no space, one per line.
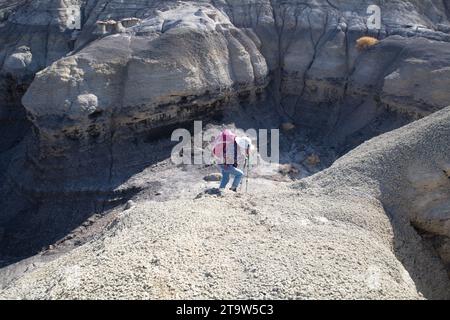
(92,207)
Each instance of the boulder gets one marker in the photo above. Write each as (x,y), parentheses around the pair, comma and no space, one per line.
(18,61)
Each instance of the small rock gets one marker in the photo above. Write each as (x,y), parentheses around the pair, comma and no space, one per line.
(69,237)
(86,223)
(214,177)
(129,205)
(322,220)
(92,219)
(209,192)
(447,173)
(313,160)
(19,60)
(288,126)
(288,169)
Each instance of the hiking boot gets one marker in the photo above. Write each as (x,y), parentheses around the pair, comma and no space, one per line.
(233,189)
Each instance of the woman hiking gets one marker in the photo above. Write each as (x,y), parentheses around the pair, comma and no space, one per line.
(228,150)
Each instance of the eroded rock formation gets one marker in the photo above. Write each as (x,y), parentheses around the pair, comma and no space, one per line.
(77,107)
(162,72)
(309,50)
(333,236)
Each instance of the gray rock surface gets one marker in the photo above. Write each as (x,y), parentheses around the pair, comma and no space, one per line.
(341,234)
(308,47)
(83,121)
(160,73)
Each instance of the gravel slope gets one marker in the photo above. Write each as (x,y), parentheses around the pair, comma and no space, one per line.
(308,247)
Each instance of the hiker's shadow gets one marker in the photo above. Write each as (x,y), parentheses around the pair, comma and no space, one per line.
(211,192)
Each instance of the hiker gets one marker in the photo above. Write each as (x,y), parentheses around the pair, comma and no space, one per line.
(227,148)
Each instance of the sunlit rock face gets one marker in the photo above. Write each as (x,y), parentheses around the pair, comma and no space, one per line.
(303,53)
(181,63)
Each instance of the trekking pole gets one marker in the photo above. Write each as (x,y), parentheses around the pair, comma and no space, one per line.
(246,178)
(245,165)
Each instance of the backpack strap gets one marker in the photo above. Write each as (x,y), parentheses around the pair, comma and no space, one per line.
(224,146)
